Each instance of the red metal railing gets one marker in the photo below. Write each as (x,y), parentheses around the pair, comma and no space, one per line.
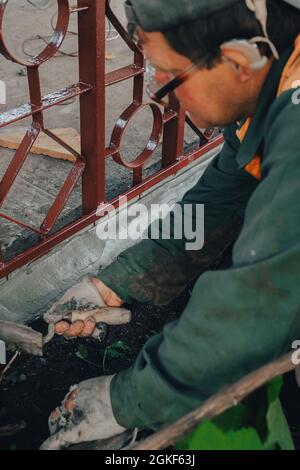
(90,164)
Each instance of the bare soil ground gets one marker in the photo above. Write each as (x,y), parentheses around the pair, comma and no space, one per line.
(35,386)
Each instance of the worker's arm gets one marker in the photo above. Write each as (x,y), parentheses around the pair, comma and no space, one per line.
(157,271)
(237,319)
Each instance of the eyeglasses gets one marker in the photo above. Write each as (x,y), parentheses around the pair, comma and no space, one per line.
(154,88)
(155,77)
(160,94)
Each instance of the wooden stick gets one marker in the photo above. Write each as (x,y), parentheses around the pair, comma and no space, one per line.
(115,443)
(21,337)
(107,315)
(6,368)
(12,429)
(216,405)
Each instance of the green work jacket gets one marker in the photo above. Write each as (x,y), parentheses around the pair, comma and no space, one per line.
(239,318)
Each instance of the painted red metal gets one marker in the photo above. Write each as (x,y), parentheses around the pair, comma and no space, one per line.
(168,126)
(55,42)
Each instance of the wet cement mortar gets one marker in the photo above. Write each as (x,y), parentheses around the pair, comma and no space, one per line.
(35,386)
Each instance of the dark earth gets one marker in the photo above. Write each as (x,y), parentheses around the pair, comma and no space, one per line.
(33,387)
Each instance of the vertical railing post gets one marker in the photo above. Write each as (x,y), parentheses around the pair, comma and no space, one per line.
(91,28)
(173,139)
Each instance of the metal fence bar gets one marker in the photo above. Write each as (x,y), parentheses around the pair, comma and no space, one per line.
(91,29)
(168,126)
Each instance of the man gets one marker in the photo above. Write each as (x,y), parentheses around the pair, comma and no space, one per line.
(236,64)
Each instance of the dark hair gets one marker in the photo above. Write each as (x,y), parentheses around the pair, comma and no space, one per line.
(200,40)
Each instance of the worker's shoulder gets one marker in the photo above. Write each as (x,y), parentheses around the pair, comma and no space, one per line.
(285,110)
(282,125)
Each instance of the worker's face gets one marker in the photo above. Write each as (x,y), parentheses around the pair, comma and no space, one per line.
(216,97)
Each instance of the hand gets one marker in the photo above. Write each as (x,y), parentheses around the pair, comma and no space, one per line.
(85,415)
(83,307)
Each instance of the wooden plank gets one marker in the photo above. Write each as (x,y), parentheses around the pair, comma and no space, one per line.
(44,145)
(21,337)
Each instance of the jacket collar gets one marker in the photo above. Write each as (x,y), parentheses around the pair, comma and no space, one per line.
(254,137)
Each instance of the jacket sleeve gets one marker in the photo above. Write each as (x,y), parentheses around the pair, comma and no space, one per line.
(158,271)
(238,319)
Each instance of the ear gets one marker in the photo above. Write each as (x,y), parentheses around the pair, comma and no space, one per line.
(239,62)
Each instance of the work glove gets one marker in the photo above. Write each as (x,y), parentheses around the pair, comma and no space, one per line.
(85,415)
(82,308)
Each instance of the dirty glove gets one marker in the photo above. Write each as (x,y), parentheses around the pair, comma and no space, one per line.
(82,307)
(85,415)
